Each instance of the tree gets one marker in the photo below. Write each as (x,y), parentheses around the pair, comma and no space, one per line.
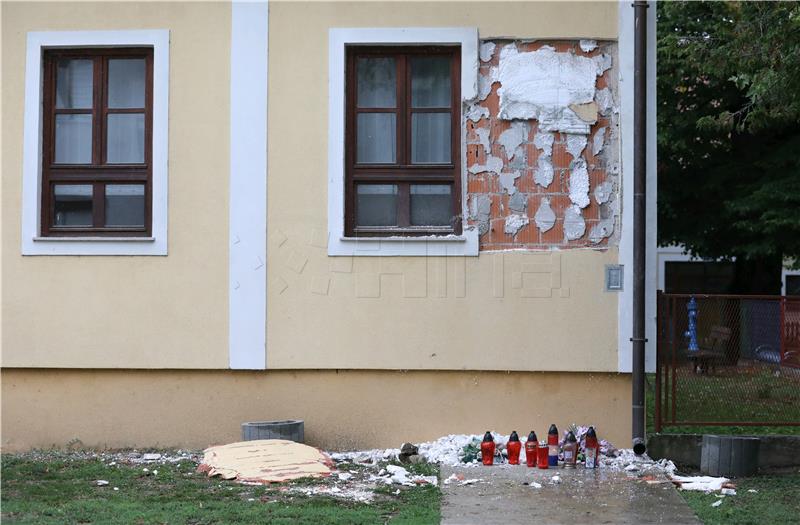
(729,134)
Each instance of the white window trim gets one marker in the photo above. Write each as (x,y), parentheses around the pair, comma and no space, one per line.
(32,242)
(338,243)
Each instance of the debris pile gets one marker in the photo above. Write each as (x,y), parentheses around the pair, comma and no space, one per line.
(265,461)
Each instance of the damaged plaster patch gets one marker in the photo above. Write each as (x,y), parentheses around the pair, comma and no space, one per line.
(605,100)
(602,192)
(480,206)
(514,223)
(602,62)
(543,174)
(493,165)
(601,230)
(485,83)
(483,138)
(576,144)
(542,84)
(518,202)
(587,46)
(579,183)
(487,50)
(475,113)
(511,138)
(598,140)
(574,225)
(507,181)
(545,216)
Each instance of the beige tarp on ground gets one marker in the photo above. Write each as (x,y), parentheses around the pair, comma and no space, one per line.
(265,461)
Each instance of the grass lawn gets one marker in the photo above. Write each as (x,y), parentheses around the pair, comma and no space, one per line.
(62,488)
(777,501)
(724,397)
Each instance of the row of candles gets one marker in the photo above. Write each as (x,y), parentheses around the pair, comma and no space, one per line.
(544,454)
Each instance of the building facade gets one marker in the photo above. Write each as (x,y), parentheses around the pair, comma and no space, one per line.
(392,220)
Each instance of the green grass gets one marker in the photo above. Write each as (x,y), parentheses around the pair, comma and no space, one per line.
(777,501)
(760,395)
(57,488)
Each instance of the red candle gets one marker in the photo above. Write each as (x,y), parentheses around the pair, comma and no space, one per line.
(543,451)
(592,449)
(487,449)
(513,447)
(531,447)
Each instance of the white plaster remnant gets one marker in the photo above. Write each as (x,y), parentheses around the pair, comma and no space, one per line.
(514,223)
(485,83)
(493,165)
(480,206)
(483,138)
(511,138)
(602,62)
(602,192)
(475,113)
(601,230)
(542,84)
(545,216)
(544,173)
(508,50)
(576,144)
(574,225)
(598,140)
(507,181)
(487,50)
(579,183)
(605,100)
(518,202)
(587,46)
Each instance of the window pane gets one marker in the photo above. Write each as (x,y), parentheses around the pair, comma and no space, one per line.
(125,205)
(377,138)
(125,138)
(73,204)
(430,138)
(74,139)
(74,84)
(431,205)
(430,82)
(126,83)
(377,83)
(376,205)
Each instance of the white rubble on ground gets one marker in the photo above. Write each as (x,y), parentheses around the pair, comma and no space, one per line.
(701,483)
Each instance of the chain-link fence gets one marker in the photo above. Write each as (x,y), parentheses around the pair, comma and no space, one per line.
(727,360)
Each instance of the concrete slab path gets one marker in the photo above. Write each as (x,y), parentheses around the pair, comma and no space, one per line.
(507,496)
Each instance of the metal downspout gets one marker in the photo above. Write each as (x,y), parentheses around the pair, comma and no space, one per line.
(639,225)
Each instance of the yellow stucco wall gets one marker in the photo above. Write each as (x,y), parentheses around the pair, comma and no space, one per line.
(414,313)
(341,409)
(128,311)
(398,313)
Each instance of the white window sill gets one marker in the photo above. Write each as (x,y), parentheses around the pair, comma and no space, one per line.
(37,245)
(94,239)
(465,245)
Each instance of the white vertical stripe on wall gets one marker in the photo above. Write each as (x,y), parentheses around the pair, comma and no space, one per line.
(247,290)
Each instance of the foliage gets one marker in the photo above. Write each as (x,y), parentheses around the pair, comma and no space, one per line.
(60,488)
(777,500)
(729,128)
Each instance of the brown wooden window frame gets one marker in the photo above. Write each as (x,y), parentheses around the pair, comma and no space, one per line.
(402,173)
(98,173)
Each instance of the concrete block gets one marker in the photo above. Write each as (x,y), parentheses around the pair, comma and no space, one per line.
(730,456)
(290,429)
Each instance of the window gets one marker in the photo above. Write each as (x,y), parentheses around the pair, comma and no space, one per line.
(403,152)
(97,142)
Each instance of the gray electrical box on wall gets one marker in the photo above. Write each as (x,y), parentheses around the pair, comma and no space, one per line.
(614,276)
